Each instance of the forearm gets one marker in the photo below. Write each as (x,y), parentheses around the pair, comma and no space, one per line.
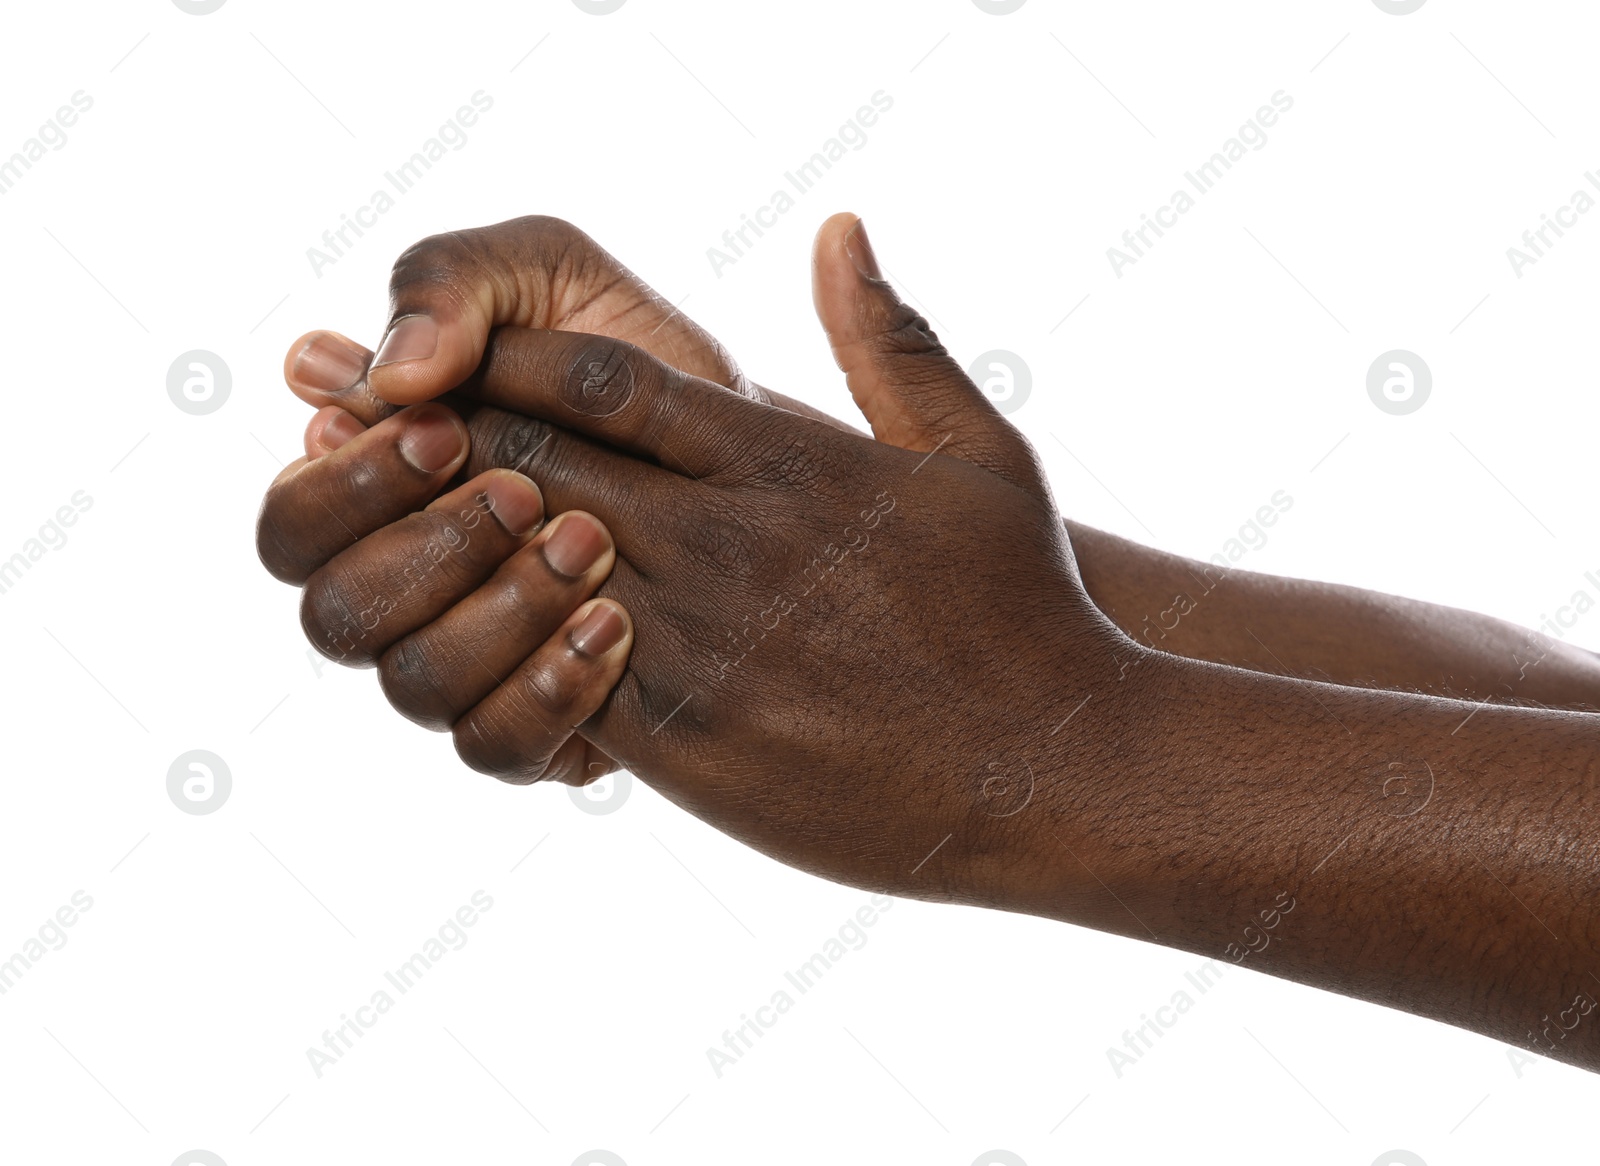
(1321,631)
(1316,631)
(1433,855)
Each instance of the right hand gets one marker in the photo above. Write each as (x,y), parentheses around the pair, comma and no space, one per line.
(916,694)
(541,272)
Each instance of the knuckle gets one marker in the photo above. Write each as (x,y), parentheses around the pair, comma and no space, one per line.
(731,549)
(427,259)
(546,228)
(414,684)
(907,333)
(1025,457)
(449,264)
(558,249)
(797,463)
(484,752)
(476,749)
(337,622)
(548,455)
(524,604)
(507,441)
(600,377)
(275,546)
(357,479)
(547,691)
(566,763)
(448,558)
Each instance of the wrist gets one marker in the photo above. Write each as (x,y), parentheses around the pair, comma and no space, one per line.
(1086,812)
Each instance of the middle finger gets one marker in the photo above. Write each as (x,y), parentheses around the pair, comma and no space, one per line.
(410,572)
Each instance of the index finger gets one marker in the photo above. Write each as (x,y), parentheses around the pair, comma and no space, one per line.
(625,397)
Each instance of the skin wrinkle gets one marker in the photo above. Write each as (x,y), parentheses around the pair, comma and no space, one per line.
(520,614)
(578,312)
(1179,800)
(413,682)
(427,268)
(485,298)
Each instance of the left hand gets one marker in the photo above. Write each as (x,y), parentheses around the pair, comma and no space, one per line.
(447,595)
(446,293)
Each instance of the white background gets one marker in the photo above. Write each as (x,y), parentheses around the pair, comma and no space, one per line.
(1175,400)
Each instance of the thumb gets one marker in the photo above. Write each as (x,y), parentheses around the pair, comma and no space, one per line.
(909,387)
(447,292)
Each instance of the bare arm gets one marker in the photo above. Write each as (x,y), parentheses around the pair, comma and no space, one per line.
(880,665)
(1426,854)
(541,272)
(1323,631)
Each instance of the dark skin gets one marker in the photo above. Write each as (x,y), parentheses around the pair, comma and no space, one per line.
(545,273)
(945,713)
(1324,631)
(449,596)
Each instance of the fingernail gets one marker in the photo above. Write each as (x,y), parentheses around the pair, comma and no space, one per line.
(330,364)
(340,428)
(411,338)
(515,502)
(431,442)
(601,630)
(574,546)
(859,248)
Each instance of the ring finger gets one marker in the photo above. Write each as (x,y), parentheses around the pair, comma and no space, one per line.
(438,672)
